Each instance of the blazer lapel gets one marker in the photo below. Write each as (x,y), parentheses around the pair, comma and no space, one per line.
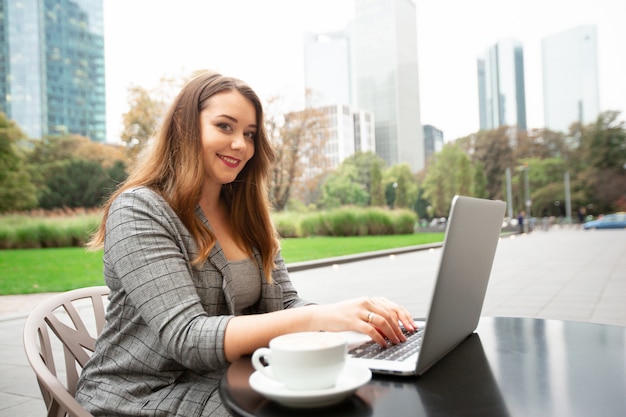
(271,294)
(219,261)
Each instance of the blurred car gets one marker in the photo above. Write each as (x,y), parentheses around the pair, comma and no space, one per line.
(610,221)
(438,222)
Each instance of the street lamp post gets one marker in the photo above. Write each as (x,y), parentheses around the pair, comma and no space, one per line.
(568,199)
(509,197)
(527,202)
(527,190)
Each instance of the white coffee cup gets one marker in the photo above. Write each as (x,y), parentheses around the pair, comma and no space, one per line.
(303,360)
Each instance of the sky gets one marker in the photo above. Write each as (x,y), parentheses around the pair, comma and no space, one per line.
(260,41)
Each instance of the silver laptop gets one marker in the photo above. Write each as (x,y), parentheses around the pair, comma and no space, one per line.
(471,238)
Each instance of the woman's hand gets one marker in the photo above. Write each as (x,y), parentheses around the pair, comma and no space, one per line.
(377,317)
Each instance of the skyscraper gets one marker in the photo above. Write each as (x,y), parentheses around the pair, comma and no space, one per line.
(364,131)
(52,66)
(340,130)
(570,78)
(501,92)
(327,69)
(328,77)
(384,45)
(433,141)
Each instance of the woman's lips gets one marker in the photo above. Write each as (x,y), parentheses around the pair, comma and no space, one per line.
(229,161)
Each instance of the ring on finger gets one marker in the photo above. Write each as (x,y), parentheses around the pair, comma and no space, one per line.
(370,316)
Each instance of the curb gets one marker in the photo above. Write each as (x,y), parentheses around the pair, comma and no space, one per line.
(303,266)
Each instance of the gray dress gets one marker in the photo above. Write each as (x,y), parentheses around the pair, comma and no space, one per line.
(161,351)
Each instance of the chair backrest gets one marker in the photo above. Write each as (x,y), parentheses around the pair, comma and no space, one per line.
(59,338)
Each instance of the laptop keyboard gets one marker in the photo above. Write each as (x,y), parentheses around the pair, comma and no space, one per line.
(401,351)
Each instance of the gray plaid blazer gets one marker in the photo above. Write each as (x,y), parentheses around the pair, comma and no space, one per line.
(161,352)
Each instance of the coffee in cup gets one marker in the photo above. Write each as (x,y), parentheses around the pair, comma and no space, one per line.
(303,360)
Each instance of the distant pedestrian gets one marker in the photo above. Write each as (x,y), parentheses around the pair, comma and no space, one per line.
(581,215)
(520,220)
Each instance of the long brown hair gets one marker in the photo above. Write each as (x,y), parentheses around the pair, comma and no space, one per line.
(173,168)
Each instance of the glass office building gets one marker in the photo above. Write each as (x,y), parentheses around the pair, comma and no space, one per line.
(52,77)
(386,77)
(501,91)
(327,69)
(570,78)
(433,141)
(328,78)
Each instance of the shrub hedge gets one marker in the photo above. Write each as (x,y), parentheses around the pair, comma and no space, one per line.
(66,229)
(47,230)
(346,221)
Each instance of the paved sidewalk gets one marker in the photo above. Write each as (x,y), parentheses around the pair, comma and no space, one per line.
(565,274)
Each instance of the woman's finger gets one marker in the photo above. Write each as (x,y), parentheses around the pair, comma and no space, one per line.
(393,311)
(386,327)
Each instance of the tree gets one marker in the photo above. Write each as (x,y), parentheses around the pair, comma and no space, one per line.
(344,189)
(540,143)
(359,177)
(106,154)
(142,119)
(16,190)
(116,175)
(306,192)
(54,148)
(55,165)
(76,183)
(602,161)
(401,189)
(480,181)
(377,191)
(364,163)
(546,184)
(49,150)
(434,188)
(604,143)
(451,172)
(298,139)
(147,108)
(368,173)
(421,204)
(465,175)
(493,148)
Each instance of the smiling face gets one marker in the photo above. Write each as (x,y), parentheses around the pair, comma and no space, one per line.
(228,130)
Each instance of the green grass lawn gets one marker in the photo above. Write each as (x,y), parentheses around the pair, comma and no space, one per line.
(26,271)
(309,248)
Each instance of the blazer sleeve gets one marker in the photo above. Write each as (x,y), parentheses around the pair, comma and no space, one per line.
(147,250)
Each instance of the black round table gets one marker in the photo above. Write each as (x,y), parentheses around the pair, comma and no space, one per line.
(509,367)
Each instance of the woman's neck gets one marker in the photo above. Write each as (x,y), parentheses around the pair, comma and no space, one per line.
(210,198)
(216,213)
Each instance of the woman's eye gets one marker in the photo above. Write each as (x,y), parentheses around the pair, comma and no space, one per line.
(224,126)
(250,135)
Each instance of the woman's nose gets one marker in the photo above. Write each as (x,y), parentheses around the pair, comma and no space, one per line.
(239,142)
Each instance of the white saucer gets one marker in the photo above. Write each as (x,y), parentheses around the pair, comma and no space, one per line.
(351,378)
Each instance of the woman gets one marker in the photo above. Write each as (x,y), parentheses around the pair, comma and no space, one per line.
(193,264)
